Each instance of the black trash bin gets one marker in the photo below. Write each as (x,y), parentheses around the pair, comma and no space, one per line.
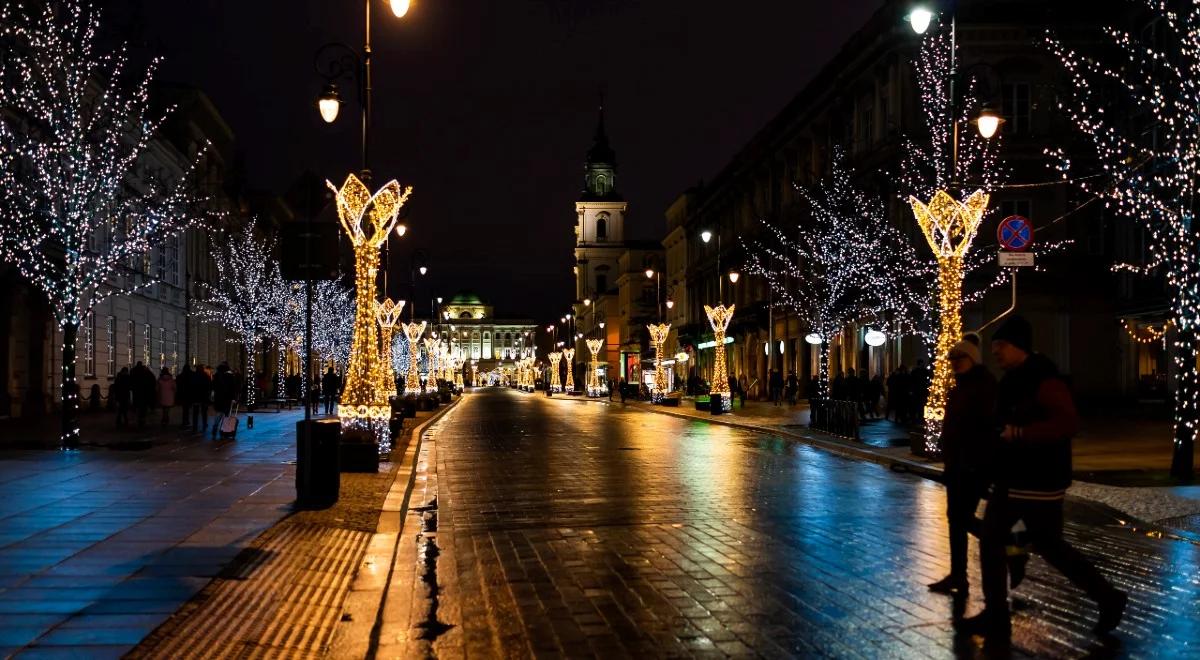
(715,404)
(318,477)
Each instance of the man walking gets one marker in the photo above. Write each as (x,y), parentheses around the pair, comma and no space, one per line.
(1033,472)
(968,431)
(775,384)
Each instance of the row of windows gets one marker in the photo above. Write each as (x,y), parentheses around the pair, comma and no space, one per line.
(152,359)
(164,259)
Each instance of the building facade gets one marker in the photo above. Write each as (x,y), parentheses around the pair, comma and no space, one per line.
(490,343)
(865,101)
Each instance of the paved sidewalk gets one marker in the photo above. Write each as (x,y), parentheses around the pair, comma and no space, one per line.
(100,546)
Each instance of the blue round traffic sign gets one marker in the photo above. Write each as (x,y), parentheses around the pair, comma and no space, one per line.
(1015,233)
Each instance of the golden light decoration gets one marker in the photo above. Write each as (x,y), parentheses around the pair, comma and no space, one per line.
(949,227)
(431,351)
(387,313)
(555,359)
(719,318)
(413,332)
(367,220)
(658,336)
(569,355)
(593,384)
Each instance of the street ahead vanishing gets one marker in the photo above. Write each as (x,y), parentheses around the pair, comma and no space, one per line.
(589,529)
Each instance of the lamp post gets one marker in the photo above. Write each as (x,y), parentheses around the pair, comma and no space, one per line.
(335,61)
(658,337)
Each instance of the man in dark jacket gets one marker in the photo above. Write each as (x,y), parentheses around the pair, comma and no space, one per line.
(1033,472)
(968,431)
(775,384)
(183,394)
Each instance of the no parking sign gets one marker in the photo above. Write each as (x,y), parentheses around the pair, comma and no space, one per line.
(1015,233)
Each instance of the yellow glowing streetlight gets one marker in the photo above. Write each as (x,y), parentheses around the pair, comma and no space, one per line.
(329,102)
(988,122)
(400,7)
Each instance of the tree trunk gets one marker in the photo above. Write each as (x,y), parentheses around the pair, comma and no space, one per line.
(249,375)
(70,389)
(1187,409)
(823,372)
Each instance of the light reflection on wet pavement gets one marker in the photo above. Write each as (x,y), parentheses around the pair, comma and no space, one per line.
(98,547)
(585,529)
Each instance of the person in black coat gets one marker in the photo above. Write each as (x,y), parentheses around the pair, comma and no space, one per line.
(143,383)
(968,435)
(225,388)
(331,386)
(183,394)
(121,391)
(200,392)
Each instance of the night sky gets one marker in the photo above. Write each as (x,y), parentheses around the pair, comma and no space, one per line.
(487,107)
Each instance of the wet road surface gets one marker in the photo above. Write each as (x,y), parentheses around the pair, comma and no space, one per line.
(583,529)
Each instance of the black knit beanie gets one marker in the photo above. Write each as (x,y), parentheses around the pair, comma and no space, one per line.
(1016,331)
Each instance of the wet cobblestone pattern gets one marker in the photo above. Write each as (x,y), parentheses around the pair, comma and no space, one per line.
(588,530)
(99,547)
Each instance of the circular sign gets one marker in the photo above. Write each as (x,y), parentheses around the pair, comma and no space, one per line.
(1015,233)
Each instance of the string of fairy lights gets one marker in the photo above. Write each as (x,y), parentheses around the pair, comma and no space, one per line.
(845,264)
(79,205)
(1153,168)
(247,294)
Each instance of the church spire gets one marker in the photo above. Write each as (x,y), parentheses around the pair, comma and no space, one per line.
(600,167)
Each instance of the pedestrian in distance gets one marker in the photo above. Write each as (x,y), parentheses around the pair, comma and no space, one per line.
(183,395)
(792,387)
(94,398)
(225,389)
(874,394)
(201,396)
(166,394)
(743,385)
(331,385)
(968,437)
(1037,413)
(121,392)
(144,391)
(775,385)
(623,388)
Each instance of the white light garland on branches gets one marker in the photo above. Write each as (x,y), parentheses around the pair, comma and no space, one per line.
(847,263)
(78,203)
(1153,163)
(333,322)
(247,294)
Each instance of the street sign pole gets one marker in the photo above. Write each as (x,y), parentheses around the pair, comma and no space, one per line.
(1015,235)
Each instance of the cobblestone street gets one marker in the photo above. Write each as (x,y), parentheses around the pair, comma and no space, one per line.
(575,528)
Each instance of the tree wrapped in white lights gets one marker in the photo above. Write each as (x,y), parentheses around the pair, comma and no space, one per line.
(333,322)
(78,203)
(247,294)
(847,263)
(286,326)
(1154,172)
